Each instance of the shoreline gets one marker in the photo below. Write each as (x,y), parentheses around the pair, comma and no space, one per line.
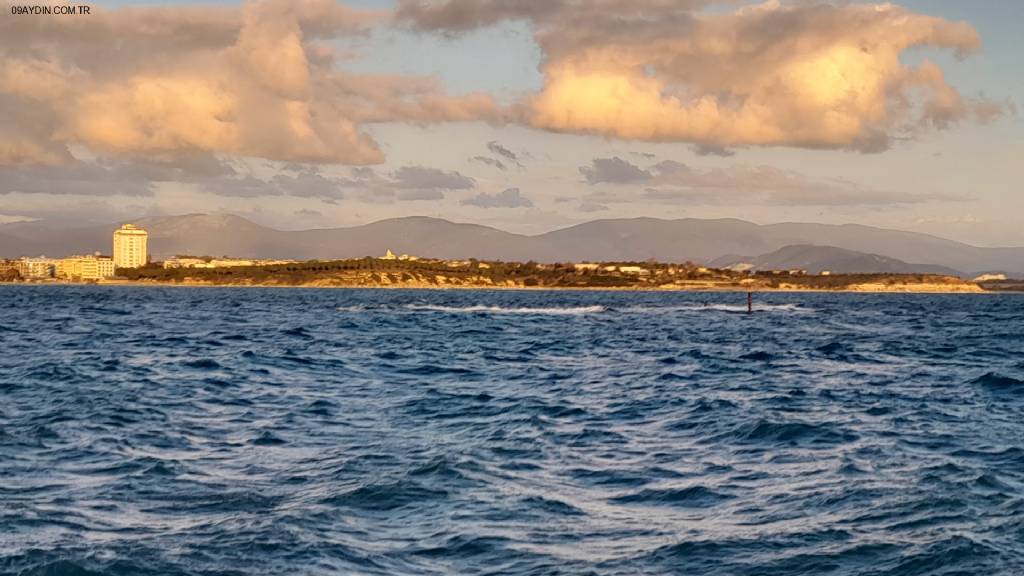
(969,289)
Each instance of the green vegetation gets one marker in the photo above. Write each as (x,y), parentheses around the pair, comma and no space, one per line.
(369,272)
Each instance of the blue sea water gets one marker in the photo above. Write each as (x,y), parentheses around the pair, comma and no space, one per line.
(294,431)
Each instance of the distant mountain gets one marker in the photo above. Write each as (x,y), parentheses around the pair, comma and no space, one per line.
(635,239)
(817,259)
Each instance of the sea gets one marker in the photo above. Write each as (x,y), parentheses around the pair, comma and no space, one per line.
(236,431)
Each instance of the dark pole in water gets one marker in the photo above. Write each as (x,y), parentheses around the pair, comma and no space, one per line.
(750,302)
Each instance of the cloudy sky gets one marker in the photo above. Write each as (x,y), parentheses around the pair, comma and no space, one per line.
(523,114)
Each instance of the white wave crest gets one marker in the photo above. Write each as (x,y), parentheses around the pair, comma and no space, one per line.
(568,311)
(356,308)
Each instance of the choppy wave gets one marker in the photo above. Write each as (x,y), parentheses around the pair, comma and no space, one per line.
(999,383)
(552,310)
(576,310)
(208,432)
(732,308)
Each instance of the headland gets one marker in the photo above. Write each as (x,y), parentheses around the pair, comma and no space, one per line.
(476,274)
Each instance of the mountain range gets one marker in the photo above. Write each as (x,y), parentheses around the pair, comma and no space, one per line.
(818,259)
(815,247)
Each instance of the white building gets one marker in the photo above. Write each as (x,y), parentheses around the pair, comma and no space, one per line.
(130,247)
(35,268)
(91,267)
(191,262)
(990,278)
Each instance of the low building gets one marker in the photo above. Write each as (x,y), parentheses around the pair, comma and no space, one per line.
(586,267)
(389,255)
(635,270)
(91,267)
(990,278)
(36,268)
(233,262)
(9,270)
(105,267)
(192,262)
(186,262)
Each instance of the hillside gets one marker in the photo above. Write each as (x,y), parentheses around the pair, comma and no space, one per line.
(817,259)
(639,239)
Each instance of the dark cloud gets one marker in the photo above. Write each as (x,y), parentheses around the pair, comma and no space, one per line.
(113,176)
(614,171)
(504,156)
(424,178)
(712,150)
(296,180)
(138,176)
(510,198)
(454,16)
(420,194)
(76,178)
(247,186)
(362,172)
(669,167)
(184,167)
(309,186)
(504,152)
(408,183)
(490,162)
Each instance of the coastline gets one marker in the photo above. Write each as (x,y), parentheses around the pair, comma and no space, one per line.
(924,288)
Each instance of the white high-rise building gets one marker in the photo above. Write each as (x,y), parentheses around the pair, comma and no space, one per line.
(130,250)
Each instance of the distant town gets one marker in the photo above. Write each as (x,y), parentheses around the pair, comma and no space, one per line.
(130,262)
(129,249)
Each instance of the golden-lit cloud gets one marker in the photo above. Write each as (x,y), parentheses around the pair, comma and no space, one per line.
(262,79)
(817,75)
(254,80)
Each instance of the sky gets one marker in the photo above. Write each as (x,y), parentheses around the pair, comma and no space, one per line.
(526,115)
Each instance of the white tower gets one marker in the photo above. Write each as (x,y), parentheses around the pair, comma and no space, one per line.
(130,250)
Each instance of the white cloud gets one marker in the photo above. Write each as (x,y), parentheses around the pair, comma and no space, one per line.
(815,75)
(258,80)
